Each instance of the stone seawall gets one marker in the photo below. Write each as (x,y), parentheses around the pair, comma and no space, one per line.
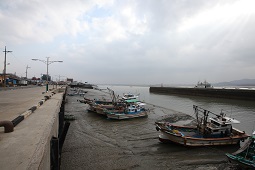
(241,94)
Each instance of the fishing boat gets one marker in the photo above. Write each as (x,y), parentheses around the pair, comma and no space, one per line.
(245,156)
(100,108)
(130,112)
(217,131)
(129,96)
(204,84)
(125,108)
(94,104)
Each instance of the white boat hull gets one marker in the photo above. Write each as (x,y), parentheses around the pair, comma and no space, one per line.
(191,141)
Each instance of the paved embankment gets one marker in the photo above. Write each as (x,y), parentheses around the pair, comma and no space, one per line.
(95,142)
(28,146)
(242,94)
(16,101)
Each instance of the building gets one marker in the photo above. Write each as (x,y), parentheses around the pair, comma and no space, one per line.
(69,80)
(11,79)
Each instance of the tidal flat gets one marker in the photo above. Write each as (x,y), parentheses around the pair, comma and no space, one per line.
(95,142)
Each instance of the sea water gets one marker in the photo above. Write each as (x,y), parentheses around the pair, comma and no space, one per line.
(242,110)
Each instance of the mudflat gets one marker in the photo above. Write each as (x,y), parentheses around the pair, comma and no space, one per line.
(95,142)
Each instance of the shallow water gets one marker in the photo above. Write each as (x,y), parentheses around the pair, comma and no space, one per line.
(242,110)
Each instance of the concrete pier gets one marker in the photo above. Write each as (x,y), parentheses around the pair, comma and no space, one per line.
(240,94)
(28,146)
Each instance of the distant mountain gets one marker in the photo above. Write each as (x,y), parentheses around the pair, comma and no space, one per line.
(242,82)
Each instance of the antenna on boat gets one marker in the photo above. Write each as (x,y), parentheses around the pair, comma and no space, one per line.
(221,113)
(253,133)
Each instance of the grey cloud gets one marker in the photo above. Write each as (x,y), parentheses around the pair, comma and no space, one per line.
(145,45)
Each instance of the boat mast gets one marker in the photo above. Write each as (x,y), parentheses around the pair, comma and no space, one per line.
(201,121)
(113,96)
(205,121)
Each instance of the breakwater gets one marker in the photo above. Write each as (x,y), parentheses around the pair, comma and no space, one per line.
(242,94)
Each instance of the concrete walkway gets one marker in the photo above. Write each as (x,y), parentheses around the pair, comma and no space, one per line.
(15,102)
(28,146)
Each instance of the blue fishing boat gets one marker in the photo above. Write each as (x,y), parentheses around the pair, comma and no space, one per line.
(132,111)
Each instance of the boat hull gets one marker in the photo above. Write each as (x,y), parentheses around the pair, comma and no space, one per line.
(189,141)
(179,137)
(244,157)
(100,109)
(121,116)
(245,164)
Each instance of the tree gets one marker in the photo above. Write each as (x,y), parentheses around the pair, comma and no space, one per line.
(44,77)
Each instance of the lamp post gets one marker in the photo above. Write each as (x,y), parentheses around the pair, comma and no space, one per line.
(47,62)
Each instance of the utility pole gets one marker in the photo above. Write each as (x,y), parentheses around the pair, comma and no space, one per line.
(4,73)
(26,70)
(59,76)
(47,62)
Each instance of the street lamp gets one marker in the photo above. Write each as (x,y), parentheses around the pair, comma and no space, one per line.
(47,62)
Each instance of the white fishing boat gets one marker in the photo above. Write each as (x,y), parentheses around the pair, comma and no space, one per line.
(204,85)
(129,96)
(217,131)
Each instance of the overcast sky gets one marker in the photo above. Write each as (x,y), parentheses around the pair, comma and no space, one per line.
(130,41)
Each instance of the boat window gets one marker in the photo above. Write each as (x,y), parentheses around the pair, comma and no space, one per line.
(215,123)
(216,131)
(224,125)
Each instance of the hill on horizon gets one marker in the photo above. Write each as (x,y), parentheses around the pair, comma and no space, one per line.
(242,82)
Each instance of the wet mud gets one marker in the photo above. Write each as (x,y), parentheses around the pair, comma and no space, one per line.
(95,142)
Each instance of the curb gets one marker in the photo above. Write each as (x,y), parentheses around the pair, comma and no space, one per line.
(31,110)
(9,125)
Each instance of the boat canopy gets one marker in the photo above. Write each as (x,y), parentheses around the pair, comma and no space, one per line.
(225,120)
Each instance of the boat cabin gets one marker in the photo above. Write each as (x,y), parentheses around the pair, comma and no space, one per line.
(129,96)
(220,126)
(134,109)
